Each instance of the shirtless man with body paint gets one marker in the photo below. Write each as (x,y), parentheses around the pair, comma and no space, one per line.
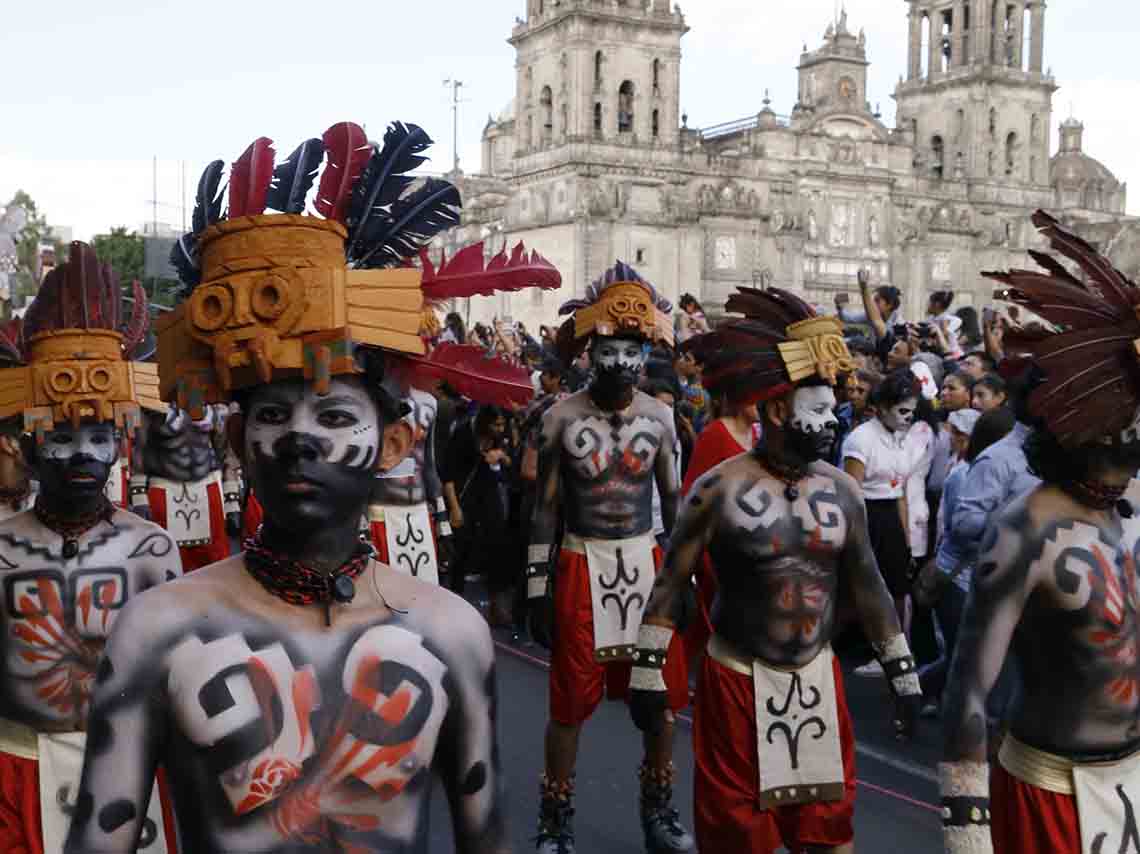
(786,534)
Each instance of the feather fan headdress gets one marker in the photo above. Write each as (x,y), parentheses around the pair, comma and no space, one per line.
(1090,368)
(272,296)
(619,302)
(778,343)
(74,348)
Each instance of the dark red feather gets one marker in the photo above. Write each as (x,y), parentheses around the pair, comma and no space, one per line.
(465,276)
(249,179)
(348,152)
(136,328)
(1107,281)
(468,369)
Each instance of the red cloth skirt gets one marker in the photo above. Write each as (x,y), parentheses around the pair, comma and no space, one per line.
(20,806)
(195,557)
(726,785)
(251,517)
(577,680)
(1027,820)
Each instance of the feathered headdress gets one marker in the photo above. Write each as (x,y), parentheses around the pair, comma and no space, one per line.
(619,302)
(1090,368)
(778,343)
(74,348)
(292,294)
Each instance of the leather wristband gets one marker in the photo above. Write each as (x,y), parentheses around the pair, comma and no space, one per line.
(537,569)
(898,665)
(965,807)
(649,659)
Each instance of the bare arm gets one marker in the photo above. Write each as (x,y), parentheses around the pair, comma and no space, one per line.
(469,766)
(855,468)
(118,778)
(873,316)
(1000,588)
(667,471)
(547,504)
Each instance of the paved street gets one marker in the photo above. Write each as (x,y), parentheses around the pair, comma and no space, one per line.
(897,787)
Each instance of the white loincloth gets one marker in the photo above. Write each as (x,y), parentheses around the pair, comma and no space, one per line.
(797,726)
(621,578)
(61,765)
(1108,800)
(407,530)
(188,508)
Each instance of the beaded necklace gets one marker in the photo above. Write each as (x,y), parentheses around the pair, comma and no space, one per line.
(300,584)
(72,528)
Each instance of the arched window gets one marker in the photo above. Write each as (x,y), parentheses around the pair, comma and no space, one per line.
(937,150)
(1010,152)
(656,123)
(546,100)
(598,69)
(598,120)
(924,51)
(959,124)
(625,107)
(657,77)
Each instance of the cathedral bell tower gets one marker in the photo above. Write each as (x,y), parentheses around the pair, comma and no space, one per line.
(975,95)
(597,70)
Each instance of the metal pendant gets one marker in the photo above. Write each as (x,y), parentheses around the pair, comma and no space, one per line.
(344,589)
(70,548)
(791,492)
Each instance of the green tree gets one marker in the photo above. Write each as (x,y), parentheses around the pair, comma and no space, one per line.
(124,250)
(36,233)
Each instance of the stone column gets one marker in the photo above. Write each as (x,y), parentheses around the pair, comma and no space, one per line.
(983,51)
(1018,34)
(914,65)
(1036,34)
(956,35)
(934,52)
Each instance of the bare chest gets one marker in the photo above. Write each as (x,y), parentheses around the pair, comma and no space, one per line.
(297,733)
(760,520)
(598,447)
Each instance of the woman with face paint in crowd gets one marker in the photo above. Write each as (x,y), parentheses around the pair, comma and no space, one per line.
(877,456)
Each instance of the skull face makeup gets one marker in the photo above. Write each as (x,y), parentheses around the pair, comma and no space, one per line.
(73,464)
(619,358)
(811,426)
(900,416)
(311,458)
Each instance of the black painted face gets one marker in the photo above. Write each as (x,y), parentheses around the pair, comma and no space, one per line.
(73,464)
(618,361)
(812,427)
(312,459)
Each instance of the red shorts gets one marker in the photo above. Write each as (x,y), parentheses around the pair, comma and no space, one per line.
(577,680)
(195,557)
(1028,820)
(251,517)
(726,785)
(20,806)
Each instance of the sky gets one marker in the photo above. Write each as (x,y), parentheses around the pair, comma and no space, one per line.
(99,90)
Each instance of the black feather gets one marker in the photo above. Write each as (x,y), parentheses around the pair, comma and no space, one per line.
(413,221)
(208,206)
(184,258)
(293,178)
(383,180)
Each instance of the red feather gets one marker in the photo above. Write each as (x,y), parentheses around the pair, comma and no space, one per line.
(470,371)
(465,276)
(135,330)
(348,153)
(249,179)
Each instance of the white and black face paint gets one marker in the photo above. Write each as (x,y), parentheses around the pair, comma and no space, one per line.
(812,424)
(73,464)
(312,458)
(342,427)
(1131,434)
(622,358)
(899,417)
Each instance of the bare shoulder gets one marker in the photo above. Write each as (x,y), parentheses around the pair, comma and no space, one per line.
(449,622)
(568,407)
(23,525)
(643,404)
(844,482)
(151,540)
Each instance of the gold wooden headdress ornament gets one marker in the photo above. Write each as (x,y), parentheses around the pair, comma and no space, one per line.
(816,347)
(74,345)
(621,303)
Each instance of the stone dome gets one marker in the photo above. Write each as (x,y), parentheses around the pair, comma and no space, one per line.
(1080,180)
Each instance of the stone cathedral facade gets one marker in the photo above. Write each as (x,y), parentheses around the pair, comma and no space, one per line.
(593,160)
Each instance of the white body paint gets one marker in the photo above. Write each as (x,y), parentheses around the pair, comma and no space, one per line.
(813,409)
(98,441)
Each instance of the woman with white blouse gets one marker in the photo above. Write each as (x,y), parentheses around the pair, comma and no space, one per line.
(882,456)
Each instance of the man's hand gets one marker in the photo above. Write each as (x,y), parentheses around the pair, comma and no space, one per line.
(905,721)
(540,621)
(648,710)
(233,524)
(456,516)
